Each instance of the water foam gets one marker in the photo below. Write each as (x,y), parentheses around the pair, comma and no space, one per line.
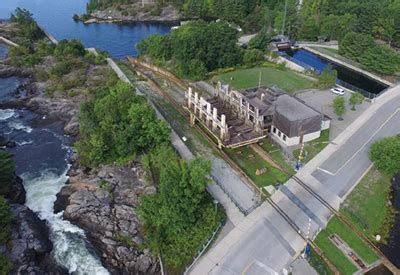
(70,246)
(16,125)
(6,114)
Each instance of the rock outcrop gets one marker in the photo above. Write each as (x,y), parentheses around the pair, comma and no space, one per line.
(29,248)
(167,14)
(103,204)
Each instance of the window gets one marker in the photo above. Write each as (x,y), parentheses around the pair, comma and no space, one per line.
(279,133)
(284,137)
(274,130)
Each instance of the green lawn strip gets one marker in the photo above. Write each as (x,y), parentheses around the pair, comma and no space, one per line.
(367,208)
(318,263)
(248,78)
(273,175)
(344,232)
(334,254)
(312,148)
(276,154)
(328,51)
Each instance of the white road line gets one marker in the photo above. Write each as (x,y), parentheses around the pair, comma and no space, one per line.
(325,171)
(368,140)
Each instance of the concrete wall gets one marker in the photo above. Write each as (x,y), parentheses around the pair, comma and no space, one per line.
(325,124)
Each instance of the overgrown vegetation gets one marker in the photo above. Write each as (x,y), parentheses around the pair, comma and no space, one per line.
(194,49)
(6,172)
(362,48)
(28,26)
(181,216)
(385,154)
(116,125)
(367,205)
(327,78)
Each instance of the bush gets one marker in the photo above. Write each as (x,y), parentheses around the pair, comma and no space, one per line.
(71,47)
(252,56)
(61,68)
(44,48)
(260,41)
(327,78)
(5,221)
(116,125)
(385,154)
(6,265)
(41,75)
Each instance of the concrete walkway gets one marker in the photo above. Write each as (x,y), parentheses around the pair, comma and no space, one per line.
(264,240)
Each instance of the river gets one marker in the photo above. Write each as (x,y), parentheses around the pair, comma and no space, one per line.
(42,151)
(56,17)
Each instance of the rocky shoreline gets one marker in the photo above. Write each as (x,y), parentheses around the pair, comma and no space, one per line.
(100,201)
(29,247)
(168,15)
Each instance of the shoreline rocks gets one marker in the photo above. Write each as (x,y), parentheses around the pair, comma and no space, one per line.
(168,15)
(103,203)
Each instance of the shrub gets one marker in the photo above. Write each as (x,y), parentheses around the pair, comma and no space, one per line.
(385,154)
(5,221)
(252,56)
(71,47)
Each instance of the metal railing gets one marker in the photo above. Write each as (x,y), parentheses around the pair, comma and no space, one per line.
(204,248)
(356,89)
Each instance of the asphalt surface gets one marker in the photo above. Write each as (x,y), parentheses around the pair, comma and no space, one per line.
(264,242)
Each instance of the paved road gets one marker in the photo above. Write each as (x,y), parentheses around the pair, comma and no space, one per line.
(264,243)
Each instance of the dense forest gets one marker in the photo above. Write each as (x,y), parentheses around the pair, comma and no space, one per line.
(330,18)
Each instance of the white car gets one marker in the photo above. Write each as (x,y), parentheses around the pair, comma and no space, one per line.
(337,91)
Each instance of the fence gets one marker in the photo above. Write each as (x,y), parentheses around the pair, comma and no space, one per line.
(158,70)
(356,89)
(204,248)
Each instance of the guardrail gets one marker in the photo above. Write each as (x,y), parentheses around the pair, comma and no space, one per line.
(356,89)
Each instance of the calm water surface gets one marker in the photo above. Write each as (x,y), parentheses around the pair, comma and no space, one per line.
(56,17)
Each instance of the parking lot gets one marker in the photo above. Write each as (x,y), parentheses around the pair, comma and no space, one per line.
(322,102)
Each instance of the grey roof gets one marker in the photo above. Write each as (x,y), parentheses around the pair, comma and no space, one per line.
(293,109)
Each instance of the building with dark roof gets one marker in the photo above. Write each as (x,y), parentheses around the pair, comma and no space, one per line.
(250,115)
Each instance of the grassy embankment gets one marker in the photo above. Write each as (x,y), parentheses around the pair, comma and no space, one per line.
(275,153)
(367,206)
(312,148)
(247,78)
(335,255)
(249,161)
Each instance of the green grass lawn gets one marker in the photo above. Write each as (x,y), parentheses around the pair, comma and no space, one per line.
(312,148)
(273,176)
(335,255)
(276,154)
(248,78)
(367,206)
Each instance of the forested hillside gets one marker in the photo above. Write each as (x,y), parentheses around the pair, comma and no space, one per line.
(330,18)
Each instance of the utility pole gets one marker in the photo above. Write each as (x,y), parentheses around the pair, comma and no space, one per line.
(259,80)
(284,18)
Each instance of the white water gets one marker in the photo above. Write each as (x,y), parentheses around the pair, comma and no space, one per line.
(6,114)
(70,249)
(16,125)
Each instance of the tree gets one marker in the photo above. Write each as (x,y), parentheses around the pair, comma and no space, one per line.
(117,125)
(381,59)
(353,45)
(385,154)
(260,41)
(252,56)
(355,99)
(339,107)
(180,217)
(327,78)
(27,25)
(5,221)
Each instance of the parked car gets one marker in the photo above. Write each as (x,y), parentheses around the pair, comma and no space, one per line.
(337,91)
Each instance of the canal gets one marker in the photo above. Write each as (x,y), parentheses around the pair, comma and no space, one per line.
(346,77)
